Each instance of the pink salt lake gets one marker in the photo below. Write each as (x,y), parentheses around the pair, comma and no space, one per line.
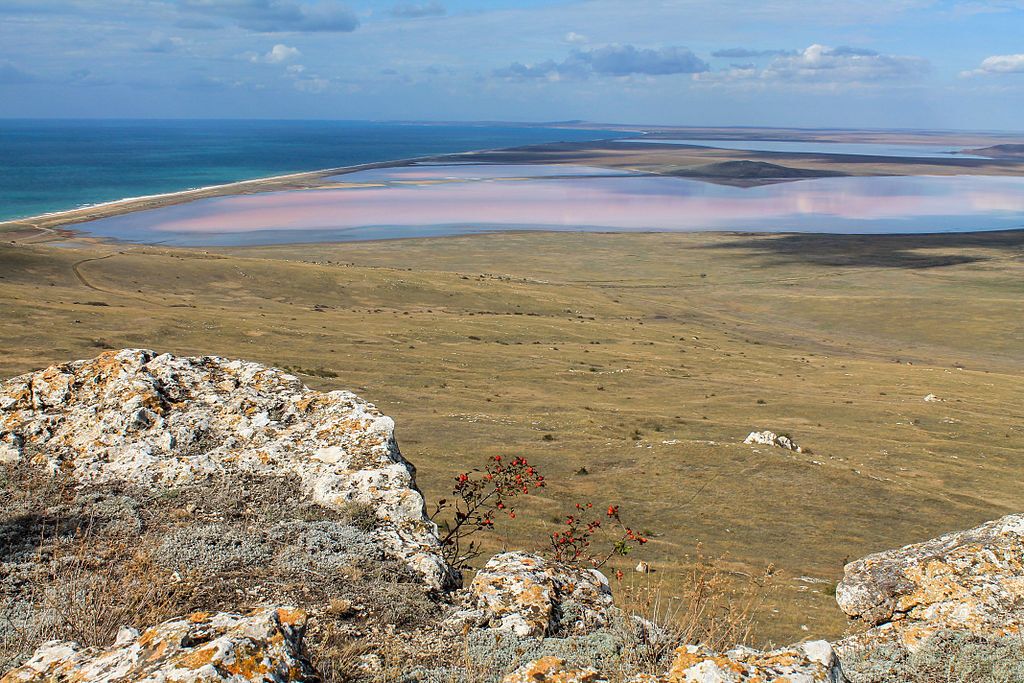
(431,200)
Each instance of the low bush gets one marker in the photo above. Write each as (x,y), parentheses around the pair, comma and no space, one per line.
(954,656)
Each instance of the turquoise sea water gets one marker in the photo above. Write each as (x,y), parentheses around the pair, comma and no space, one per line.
(54,165)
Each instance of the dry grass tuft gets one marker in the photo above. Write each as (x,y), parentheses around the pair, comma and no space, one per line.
(705,604)
(86,594)
(90,598)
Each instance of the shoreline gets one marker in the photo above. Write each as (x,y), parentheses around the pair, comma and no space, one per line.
(984,233)
(52,223)
(59,226)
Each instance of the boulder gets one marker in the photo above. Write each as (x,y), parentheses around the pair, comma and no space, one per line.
(531,596)
(810,662)
(265,646)
(552,670)
(971,580)
(160,421)
(769,438)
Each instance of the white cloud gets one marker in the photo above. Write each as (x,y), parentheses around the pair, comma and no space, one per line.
(11,73)
(277,16)
(573,37)
(278,54)
(314,84)
(610,60)
(412,10)
(999,64)
(161,43)
(823,64)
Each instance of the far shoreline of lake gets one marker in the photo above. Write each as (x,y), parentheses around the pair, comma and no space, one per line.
(663,167)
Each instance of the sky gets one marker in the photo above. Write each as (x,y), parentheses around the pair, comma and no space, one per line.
(943,64)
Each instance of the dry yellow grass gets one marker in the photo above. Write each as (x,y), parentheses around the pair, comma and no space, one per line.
(647,358)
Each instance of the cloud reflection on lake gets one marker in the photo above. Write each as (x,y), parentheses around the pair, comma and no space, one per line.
(418,201)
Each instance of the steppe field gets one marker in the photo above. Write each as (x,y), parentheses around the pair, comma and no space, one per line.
(629,367)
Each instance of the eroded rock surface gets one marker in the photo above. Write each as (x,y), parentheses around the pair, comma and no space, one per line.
(265,646)
(159,420)
(531,596)
(769,438)
(971,580)
(811,662)
(552,670)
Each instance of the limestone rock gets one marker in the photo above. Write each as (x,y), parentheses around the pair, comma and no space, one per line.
(160,420)
(531,596)
(769,438)
(810,662)
(970,580)
(265,646)
(932,398)
(552,670)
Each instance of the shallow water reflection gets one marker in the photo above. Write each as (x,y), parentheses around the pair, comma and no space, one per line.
(876,149)
(428,201)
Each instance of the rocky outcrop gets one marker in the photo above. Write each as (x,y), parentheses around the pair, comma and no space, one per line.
(971,580)
(769,438)
(265,646)
(147,422)
(531,596)
(811,662)
(159,420)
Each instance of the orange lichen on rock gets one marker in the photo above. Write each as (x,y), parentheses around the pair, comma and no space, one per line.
(552,670)
(530,596)
(811,662)
(215,648)
(971,580)
(153,419)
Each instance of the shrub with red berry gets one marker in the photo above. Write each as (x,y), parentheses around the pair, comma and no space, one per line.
(478,498)
(575,542)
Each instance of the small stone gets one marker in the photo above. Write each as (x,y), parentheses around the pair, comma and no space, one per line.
(10,449)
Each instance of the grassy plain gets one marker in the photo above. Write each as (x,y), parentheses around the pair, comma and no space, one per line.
(630,367)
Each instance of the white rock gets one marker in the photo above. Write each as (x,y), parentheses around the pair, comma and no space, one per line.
(263,647)
(968,580)
(159,420)
(769,438)
(532,596)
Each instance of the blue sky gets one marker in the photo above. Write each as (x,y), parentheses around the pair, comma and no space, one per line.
(811,63)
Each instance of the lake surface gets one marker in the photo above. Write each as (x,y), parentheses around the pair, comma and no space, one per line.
(804,147)
(56,165)
(421,201)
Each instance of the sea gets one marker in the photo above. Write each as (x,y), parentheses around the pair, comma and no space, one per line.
(55,165)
